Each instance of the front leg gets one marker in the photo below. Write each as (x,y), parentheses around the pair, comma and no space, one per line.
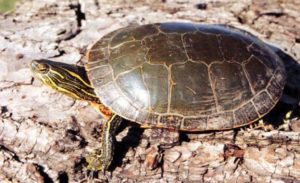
(101,159)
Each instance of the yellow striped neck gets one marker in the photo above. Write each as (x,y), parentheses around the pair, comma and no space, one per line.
(65,78)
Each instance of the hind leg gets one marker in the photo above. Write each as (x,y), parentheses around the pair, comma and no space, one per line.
(160,140)
(164,138)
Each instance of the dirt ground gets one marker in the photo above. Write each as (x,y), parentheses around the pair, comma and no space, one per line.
(45,136)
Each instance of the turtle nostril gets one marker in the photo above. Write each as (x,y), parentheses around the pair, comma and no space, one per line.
(33,64)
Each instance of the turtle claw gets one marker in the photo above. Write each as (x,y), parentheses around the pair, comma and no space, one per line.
(95,162)
(286,122)
(93,176)
(260,125)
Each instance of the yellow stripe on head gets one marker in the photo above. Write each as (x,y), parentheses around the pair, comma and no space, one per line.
(68,79)
(54,86)
(78,77)
(57,73)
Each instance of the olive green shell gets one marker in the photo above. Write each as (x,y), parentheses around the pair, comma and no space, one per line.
(186,76)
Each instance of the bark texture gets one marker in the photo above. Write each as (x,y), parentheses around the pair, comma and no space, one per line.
(45,136)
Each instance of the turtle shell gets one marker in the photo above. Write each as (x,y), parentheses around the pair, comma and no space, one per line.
(186,76)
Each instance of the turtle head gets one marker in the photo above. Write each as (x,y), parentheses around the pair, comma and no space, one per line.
(69,79)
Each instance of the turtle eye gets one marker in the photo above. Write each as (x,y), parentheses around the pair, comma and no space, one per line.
(43,68)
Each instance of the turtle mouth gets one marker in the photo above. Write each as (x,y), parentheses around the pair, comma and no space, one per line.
(37,66)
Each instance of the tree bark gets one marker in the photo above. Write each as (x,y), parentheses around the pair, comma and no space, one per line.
(45,136)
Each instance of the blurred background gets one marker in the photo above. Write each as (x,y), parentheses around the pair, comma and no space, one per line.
(7,5)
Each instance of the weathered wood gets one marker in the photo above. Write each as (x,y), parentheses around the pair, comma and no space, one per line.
(44,136)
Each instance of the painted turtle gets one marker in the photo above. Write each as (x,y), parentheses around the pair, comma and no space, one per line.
(179,76)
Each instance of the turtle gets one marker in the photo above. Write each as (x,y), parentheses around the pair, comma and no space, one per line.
(176,76)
